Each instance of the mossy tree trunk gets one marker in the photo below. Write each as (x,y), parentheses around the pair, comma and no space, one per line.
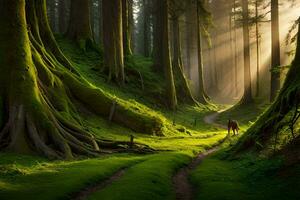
(79,29)
(182,84)
(113,40)
(39,88)
(166,57)
(127,27)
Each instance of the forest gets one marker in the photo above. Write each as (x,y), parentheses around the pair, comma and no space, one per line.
(149,99)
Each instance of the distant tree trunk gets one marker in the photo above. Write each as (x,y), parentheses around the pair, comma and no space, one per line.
(247,98)
(52,14)
(92,17)
(183,85)
(79,28)
(275,75)
(127,28)
(131,24)
(235,52)
(100,26)
(62,16)
(113,40)
(146,29)
(257,49)
(202,94)
(157,34)
(166,58)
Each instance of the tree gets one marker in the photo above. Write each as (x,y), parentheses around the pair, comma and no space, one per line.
(201,12)
(275,74)
(176,10)
(79,29)
(247,97)
(62,16)
(280,114)
(146,27)
(113,40)
(38,87)
(52,14)
(127,26)
(162,46)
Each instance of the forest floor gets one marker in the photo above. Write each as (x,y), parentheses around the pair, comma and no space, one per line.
(190,132)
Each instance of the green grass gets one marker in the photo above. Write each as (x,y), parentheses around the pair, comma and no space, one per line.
(27,177)
(249,177)
(151,179)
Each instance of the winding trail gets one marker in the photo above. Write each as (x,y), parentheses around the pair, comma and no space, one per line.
(184,190)
(84,194)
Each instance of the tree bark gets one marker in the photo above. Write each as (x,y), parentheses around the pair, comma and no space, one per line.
(62,16)
(182,84)
(113,40)
(166,58)
(52,14)
(79,28)
(247,97)
(127,26)
(275,75)
(146,28)
(157,34)
(100,25)
(202,93)
(257,50)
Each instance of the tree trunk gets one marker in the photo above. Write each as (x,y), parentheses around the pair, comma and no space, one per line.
(202,94)
(52,14)
(100,26)
(247,98)
(127,27)
(62,16)
(131,25)
(92,17)
(257,49)
(279,113)
(182,85)
(146,28)
(113,40)
(275,75)
(166,58)
(235,52)
(157,34)
(79,29)
(40,90)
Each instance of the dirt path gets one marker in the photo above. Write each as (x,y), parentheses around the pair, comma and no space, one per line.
(95,188)
(182,186)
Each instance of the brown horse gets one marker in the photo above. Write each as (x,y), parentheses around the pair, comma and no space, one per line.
(234,126)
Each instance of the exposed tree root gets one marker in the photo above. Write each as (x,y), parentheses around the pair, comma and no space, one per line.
(41,85)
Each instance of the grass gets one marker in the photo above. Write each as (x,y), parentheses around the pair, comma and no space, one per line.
(148,176)
(151,179)
(249,177)
(27,177)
